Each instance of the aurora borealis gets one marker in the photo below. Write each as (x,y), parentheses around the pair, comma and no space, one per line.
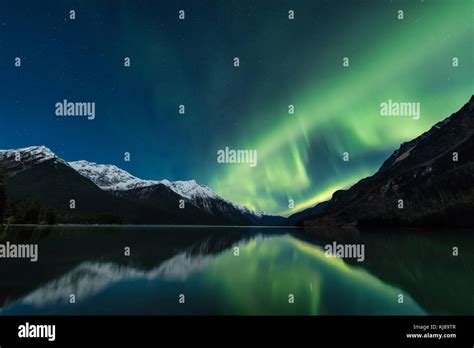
(282,62)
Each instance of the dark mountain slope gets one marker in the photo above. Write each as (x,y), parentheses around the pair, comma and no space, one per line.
(38,181)
(436,189)
(164,201)
(54,184)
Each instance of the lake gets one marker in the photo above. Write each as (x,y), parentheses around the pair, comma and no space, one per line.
(174,270)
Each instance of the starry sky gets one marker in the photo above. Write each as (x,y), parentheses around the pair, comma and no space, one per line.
(190,62)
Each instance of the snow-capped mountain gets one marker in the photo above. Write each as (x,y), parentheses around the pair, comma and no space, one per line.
(40,153)
(17,160)
(109,177)
(189,189)
(31,155)
(109,193)
(203,195)
(112,178)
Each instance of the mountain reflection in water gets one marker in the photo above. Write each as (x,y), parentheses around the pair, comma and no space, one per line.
(202,265)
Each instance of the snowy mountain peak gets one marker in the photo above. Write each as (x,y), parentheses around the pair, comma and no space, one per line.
(18,160)
(110,177)
(38,153)
(190,189)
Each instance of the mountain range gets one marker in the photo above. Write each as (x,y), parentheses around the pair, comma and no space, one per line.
(428,181)
(99,189)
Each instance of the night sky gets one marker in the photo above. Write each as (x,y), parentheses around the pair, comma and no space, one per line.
(190,62)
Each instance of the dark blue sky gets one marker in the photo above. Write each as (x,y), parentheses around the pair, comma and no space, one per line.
(173,62)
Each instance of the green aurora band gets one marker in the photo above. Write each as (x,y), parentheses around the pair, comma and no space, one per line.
(300,155)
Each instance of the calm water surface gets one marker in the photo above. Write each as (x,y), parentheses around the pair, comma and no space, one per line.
(201,264)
